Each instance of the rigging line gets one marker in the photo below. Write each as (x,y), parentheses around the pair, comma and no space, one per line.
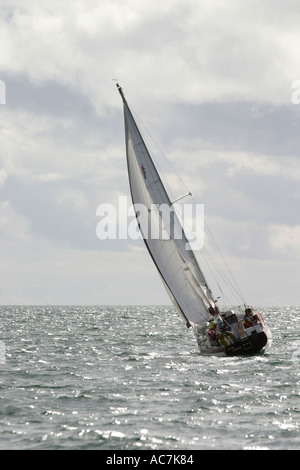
(241,295)
(225,298)
(237,289)
(182,197)
(212,273)
(222,275)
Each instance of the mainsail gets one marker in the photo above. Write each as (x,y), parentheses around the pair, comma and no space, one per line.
(162,231)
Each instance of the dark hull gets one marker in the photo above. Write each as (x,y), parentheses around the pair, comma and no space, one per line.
(252,344)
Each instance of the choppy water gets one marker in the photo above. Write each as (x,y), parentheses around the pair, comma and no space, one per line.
(132,378)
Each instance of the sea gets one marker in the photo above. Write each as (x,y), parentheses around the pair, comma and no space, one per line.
(131,378)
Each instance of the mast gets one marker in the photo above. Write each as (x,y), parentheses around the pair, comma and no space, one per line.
(173,258)
(120,91)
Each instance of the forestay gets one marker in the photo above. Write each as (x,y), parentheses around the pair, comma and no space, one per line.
(162,231)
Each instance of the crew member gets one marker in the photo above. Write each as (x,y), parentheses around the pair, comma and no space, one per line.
(250,318)
(214,310)
(212,333)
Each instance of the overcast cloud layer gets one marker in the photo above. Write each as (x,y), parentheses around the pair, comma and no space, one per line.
(212,81)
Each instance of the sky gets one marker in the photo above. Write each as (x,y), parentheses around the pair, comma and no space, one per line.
(214,83)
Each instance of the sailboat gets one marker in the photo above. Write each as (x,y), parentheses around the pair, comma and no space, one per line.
(241,331)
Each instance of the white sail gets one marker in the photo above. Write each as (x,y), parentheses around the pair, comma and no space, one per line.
(162,233)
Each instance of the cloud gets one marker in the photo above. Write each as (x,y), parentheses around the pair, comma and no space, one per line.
(240,51)
(38,144)
(254,127)
(285,240)
(211,80)
(3,176)
(13,226)
(46,273)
